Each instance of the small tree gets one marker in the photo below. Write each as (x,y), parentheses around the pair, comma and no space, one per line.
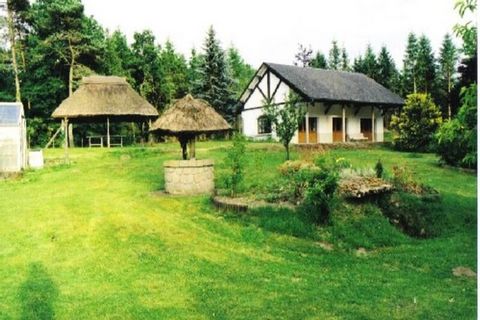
(235,162)
(285,119)
(416,124)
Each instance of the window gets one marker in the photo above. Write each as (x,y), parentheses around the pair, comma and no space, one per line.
(264,125)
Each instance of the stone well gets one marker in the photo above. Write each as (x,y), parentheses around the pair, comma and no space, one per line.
(189,177)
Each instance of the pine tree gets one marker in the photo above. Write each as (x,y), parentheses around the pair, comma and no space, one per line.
(345,63)
(387,73)
(303,57)
(448,61)
(370,65)
(358,65)
(409,72)
(240,72)
(334,59)
(193,73)
(319,61)
(426,67)
(118,57)
(173,83)
(215,78)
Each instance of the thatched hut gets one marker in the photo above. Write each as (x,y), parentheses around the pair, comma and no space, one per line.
(104,98)
(187,118)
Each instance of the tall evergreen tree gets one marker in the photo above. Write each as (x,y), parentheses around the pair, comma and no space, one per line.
(240,71)
(193,72)
(409,72)
(174,74)
(147,72)
(447,63)
(118,56)
(216,81)
(426,66)
(319,61)
(387,73)
(370,64)
(345,63)
(334,57)
(303,57)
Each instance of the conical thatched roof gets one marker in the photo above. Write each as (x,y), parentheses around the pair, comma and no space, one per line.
(101,96)
(189,115)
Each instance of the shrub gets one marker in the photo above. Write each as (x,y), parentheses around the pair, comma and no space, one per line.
(319,195)
(415,126)
(456,141)
(235,162)
(379,169)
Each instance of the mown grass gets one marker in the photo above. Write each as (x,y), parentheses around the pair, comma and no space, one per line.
(92,240)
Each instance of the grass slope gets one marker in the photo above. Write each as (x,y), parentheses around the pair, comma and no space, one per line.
(91,241)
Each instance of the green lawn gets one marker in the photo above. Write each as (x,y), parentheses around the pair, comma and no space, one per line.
(91,241)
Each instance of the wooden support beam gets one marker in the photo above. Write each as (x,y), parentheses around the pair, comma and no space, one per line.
(373,124)
(329,106)
(268,87)
(65,143)
(357,110)
(344,136)
(307,128)
(263,94)
(276,89)
(108,132)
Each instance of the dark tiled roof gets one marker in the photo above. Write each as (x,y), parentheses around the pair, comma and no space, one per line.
(331,85)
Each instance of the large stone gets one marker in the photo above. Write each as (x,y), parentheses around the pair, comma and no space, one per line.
(189,177)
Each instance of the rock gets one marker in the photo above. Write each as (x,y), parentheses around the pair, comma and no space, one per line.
(463,272)
(361,252)
(325,245)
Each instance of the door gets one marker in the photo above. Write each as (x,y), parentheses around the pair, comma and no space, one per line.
(337,130)
(312,130)
(366,128)
(302,132)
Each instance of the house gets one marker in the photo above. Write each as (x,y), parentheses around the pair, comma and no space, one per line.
(13,137)
(340,106)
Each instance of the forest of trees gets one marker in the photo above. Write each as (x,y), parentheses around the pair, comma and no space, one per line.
(49,45)
(441,76)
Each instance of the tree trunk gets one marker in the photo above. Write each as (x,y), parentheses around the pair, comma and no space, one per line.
(287,148)
(449,89)
(13,43)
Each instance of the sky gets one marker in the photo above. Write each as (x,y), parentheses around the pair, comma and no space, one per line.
(270,31)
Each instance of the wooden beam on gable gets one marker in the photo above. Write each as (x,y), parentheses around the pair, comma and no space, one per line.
(276,88)
(263,94)
(268,87)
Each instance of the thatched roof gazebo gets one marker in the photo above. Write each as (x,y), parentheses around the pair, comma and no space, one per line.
(102,98)
(187,118)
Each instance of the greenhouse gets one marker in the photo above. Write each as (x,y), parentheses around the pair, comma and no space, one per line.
(13,138)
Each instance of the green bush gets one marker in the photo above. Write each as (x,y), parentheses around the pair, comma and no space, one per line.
(415,126)
(319,195)
(235,162)
(379,169)
(456,141)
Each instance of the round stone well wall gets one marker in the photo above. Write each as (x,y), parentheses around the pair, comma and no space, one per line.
(189,177)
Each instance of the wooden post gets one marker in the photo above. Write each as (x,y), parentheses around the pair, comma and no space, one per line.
(343,124)
(307,128)
(191,146)
(65,144)
(373,124)
(108,132)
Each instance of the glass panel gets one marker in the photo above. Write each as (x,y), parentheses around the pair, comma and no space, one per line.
(9,114)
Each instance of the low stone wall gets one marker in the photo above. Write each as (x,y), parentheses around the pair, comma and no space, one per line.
(189,177)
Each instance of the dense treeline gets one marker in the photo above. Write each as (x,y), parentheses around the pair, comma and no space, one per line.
(441,76)
(49,45)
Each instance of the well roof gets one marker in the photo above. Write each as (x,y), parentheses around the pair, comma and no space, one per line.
(104,96)
(190,115)
(329,85)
